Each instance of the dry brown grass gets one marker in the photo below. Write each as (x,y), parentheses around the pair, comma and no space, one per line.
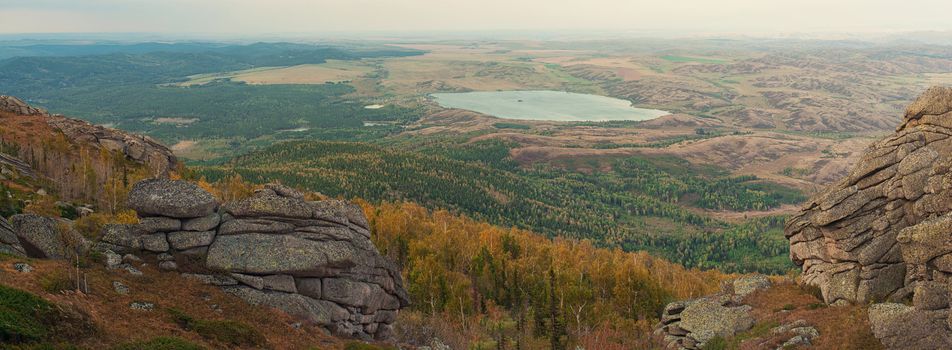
(117,323)
(305,74)
(841,328)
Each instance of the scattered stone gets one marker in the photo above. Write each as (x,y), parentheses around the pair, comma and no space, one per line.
(807,332)
(23,267)
(142,305)
(787,327)
(435,344)
(120,288)
(795,341)
(168,266)
(165,257)
(746,285)
(131,269)
(131,259)
(113,260)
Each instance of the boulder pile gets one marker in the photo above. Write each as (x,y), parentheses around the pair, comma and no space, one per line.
(313,260)
(692,323)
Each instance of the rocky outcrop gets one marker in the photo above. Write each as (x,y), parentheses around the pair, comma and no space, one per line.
(77,159)
(12,166)
(867,237)
(9,242)
(885,231)
(692,323)
(314,260)
(16,106)
(138,148)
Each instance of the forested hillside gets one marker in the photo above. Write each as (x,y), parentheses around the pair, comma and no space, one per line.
(495,288)
(475,285)
(136,88)
(639,205)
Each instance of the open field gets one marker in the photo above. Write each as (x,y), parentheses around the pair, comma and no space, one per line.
(334,71)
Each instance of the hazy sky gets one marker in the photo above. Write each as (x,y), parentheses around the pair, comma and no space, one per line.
(328,16)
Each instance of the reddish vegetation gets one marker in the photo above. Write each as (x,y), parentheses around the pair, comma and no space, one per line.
(76,171)
(841,328)
(117,323)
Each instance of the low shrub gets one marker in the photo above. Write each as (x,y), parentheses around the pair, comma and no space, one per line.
(716,343)
(225,331)
(356,345)
(160,343)
(57,282)
(24,317)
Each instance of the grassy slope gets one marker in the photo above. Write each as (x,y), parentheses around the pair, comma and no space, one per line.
(116,323)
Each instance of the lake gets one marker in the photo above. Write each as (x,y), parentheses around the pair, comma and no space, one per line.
(546,105)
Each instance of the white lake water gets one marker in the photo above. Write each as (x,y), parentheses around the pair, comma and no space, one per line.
(546,105)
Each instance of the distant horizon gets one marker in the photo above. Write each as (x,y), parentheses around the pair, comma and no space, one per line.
(368,17)
(450,35)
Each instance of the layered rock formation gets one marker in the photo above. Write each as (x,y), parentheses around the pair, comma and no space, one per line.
(313,260)
(78,159)
(885,231)
(847,239)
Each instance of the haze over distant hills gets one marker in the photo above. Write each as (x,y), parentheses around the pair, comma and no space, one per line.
(434,175)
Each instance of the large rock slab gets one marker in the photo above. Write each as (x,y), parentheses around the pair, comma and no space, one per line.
(171,198)
(707,318)
(367,296)
(900,326)
(321,312)
(9,243)
(257,253)
(270,205)
(45,238)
